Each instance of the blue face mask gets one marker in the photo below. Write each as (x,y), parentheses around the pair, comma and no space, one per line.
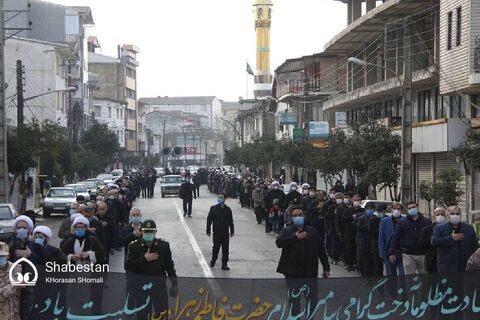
(380,215)
(369,212)
(72,211)
(40,241)
(148,237)
(220,200)
(3,261)
(136,220)
(298,221)
(22,234)
(413,212)
(80,233)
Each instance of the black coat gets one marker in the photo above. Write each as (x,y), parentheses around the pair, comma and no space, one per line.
(295,197)
(273,194)
(222,220)
(430,251)
(163,266)
(299,258)
(187,191)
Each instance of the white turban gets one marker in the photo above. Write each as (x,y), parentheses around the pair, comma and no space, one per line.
(44,230)
(81,220)
(75,215)
(25,219)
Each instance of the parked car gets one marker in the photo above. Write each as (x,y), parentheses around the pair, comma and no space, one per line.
(91,187)
(117,172)
(80,190)
(107,178)
(100,183)
(7,215)
(58,200)
(170,185)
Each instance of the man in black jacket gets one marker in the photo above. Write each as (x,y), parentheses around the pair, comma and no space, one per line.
(301,249)
(221,217)
(187,194)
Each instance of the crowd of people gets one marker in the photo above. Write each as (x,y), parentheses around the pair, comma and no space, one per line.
(369,237)
(91,232)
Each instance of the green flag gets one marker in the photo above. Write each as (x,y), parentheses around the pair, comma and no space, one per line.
(249,70)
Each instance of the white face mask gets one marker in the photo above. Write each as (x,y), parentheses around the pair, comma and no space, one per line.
(439,219)
(305,191)
(455,219)
(293,188)
(339,201)
(312,194)
(356,204)
(397,213)
(346,201)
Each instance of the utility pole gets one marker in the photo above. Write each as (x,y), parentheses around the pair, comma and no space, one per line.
(406,167)
(20,104)
(4,182)
(20,100)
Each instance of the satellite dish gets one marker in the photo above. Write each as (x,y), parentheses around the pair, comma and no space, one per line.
(166,151)
(177,152)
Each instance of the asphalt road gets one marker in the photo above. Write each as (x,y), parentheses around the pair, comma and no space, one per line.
(253,253)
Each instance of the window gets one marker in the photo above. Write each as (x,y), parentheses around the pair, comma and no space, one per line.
(72,25)
(131,73)
(97,110)
(459,26)
(457,107)
(118,113)
(449,30)
(424,106)
(109,112)
(130,93)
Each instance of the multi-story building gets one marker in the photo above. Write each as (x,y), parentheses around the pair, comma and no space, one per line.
(440,39)
(109,100)
(59,24)
(45,79)
(228,122)
(197,129)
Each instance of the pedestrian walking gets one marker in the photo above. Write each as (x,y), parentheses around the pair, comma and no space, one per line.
(373,233)
(406,239)
(455,241)
(386,231)
(151,256)
(221,217)
(187,194)
(301,250)
(258,203)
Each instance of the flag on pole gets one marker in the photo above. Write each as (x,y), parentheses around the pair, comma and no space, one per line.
(249,70)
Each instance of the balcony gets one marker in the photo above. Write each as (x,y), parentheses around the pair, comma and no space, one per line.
(131,124)
(132,145)
(437,135)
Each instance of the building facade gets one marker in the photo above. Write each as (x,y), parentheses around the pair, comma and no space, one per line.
(439,39)
(44,71)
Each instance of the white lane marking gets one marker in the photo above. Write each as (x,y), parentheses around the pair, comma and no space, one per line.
(193,242)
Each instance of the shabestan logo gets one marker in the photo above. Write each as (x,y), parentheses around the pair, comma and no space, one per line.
(19,279)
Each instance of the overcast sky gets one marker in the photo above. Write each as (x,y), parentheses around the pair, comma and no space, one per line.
(200,47)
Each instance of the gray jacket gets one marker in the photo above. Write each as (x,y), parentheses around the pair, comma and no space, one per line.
(258,198)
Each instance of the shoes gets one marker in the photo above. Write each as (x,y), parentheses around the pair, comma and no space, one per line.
(212,264)
(189,216)
(184,214)
(225,267)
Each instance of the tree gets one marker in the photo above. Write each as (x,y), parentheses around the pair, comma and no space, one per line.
(444,191)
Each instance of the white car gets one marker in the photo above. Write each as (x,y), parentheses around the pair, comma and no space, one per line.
(117,173)
(80,190)
(107,178)
(58,200)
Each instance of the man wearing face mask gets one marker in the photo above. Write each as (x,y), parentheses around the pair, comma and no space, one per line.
(305,188)
(362,224)
(373,233)
(108,227)
(21,247)
(301,250)
(333,237)
(348,234)
(387,228)
(187,194)
(220,215)
(152,257)
(293,195)
(440,215)
(42,248)
(455,242)
(272,194)
(406,239)
(132,231)
(258,203)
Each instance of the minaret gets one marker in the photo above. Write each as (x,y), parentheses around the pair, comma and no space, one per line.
(263,21)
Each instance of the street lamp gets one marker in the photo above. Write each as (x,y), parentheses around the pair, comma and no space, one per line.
(406,141)
(69,89)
